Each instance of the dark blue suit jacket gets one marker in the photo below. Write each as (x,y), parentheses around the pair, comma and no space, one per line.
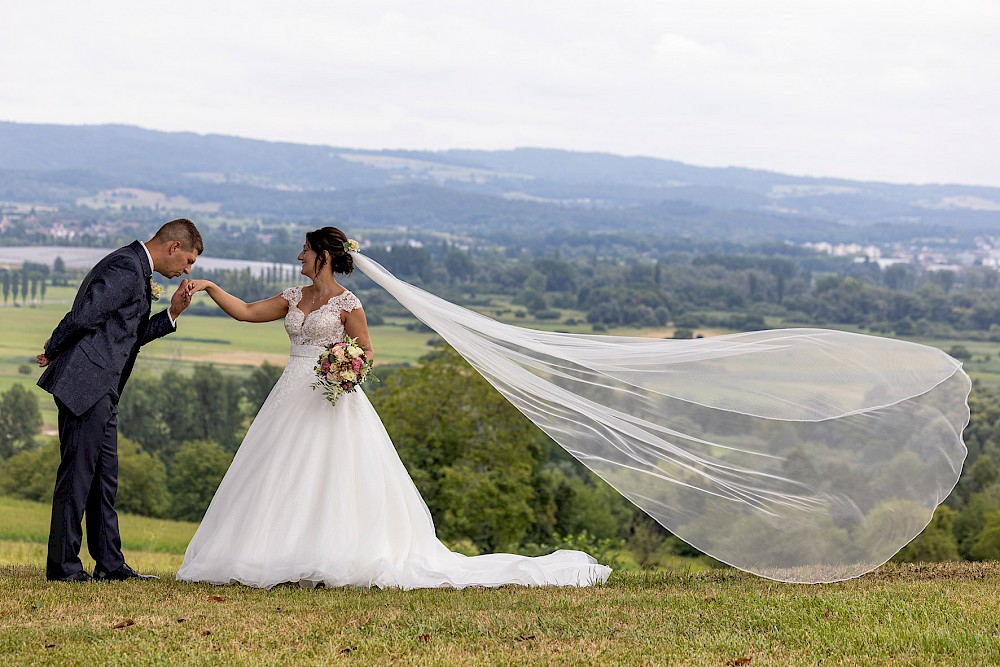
(94,347)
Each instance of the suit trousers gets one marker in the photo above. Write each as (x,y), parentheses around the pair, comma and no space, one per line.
(87,482)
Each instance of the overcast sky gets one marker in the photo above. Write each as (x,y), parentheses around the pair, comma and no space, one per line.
(892,90)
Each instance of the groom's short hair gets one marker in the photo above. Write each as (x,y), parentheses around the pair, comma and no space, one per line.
(183,231)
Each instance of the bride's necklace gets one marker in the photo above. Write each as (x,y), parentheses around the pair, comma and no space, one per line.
(315,297)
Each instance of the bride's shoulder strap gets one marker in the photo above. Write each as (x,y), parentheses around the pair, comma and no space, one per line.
(292,294)
(347,301)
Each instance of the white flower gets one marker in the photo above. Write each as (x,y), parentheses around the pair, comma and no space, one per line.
(155,289)
(354,351)
(350,245)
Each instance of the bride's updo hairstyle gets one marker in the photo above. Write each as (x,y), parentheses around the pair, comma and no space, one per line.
(330,240)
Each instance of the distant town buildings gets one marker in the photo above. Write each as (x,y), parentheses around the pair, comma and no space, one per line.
(986,253)
(869,252)
(44,220)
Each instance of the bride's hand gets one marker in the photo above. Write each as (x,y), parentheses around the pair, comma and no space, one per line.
(199,285)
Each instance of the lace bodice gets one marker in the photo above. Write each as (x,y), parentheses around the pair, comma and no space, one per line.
(323,325)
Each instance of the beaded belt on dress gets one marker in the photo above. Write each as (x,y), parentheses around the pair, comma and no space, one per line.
(311,351)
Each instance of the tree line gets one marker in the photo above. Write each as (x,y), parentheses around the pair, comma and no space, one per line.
(688,290)
(178,435)
(691,291)
(27,284)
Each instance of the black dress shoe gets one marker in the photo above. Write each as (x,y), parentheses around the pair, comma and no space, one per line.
(78,577)
(121,574)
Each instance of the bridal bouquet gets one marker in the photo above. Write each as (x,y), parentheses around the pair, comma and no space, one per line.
(341,368)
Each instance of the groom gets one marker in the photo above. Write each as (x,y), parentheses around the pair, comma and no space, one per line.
(87,362)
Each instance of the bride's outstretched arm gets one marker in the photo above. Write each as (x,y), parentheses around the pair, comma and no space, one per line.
(267,310)
(356,326)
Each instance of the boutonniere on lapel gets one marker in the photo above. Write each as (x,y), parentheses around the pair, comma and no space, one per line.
(155,289)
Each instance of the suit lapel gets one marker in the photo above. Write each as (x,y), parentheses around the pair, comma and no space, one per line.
(147,274)
(147,270)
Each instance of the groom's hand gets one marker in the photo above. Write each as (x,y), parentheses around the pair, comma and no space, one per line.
(181,299)
(41,358)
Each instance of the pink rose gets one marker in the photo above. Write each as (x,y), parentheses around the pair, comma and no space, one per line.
(325,366)
(356,364)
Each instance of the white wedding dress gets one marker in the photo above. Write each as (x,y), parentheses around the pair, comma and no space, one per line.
(317,495)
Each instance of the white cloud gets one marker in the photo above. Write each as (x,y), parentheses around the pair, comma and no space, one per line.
(886,90)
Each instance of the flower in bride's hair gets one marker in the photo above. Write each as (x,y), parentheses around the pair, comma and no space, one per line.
(155,289)
(350,245)
(339,370)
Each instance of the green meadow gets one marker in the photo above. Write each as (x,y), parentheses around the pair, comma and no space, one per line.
(24,529)
(237,347)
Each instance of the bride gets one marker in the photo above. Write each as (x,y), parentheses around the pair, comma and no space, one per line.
(801,455)
(316,493)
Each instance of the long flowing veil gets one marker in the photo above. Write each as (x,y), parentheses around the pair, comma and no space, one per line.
(801,455)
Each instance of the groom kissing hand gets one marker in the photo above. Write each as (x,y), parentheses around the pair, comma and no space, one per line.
(88,359)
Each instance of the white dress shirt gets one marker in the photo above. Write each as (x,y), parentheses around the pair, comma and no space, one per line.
(150,258)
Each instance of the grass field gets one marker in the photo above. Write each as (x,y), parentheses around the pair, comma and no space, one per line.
(150,542)
(235,346)
(944,614)
(983,366)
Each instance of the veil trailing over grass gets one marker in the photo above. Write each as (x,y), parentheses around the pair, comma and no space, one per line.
(800,455)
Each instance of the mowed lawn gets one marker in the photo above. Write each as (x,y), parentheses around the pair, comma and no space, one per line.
(936,614)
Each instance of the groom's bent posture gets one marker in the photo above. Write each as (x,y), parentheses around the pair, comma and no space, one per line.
(88,360)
